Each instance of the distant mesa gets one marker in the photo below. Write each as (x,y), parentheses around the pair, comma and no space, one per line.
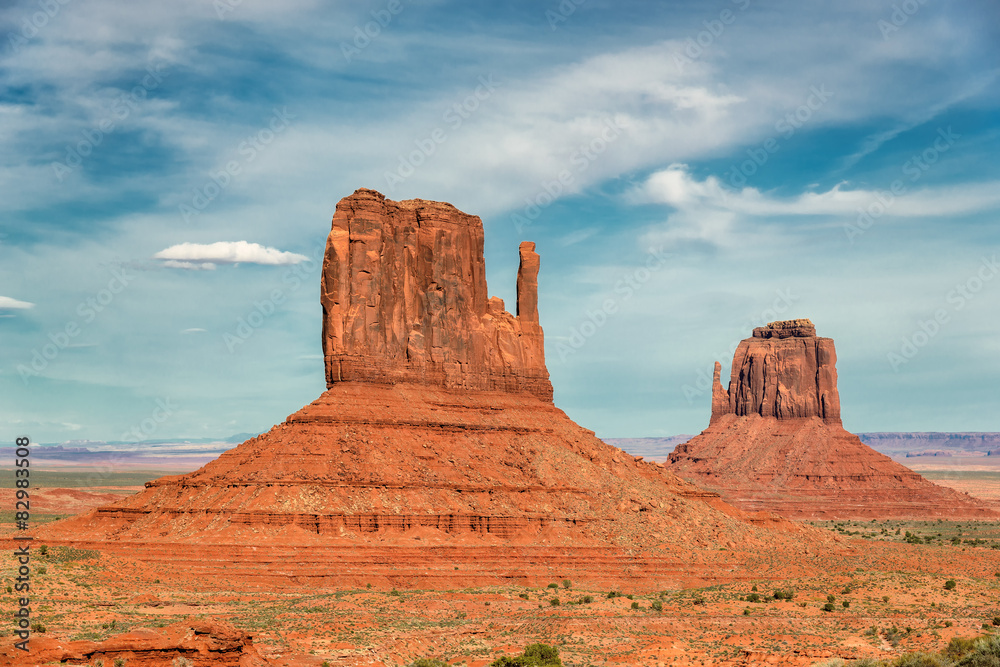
(436,456)
(775,440)
(901,445)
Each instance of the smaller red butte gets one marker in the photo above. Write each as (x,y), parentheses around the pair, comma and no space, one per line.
(775,441)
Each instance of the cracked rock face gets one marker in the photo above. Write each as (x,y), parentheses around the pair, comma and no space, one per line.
(784,371)
(404,300)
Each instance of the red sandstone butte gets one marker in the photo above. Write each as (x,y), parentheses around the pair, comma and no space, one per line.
(775,441)
(435,457)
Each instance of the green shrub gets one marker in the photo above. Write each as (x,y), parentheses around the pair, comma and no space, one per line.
(554,602)
(885,598)
(921,660)
(784,595)
(958,646)
(536,655)
(587,599)
(545,655)
(613,594)
(950,585)
(553,585)
(846,603)
(657,605)
(566,583)
(753,597)
(985,653)
(828,606)
(831,598)
(523,596)
(422,662)
(44,550)
(635,605)
(37,627)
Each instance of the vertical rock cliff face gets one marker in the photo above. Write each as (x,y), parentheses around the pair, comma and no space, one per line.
(404,300)
(783,371)
(775,440)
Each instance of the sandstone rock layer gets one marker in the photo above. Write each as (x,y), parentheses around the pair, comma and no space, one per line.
(192,642)
(775,441)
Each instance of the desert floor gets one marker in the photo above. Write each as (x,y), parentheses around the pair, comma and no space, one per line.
(856,609)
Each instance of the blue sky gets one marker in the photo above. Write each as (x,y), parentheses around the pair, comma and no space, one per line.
(688,170)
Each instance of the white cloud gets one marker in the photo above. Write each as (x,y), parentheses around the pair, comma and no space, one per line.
(708,211)
(7,303)
(676,187)
(207,255)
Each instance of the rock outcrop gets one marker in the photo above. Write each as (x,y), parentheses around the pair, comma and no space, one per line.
(404,300)
(783,371)
(192,642)
(775,441)
(436,457)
